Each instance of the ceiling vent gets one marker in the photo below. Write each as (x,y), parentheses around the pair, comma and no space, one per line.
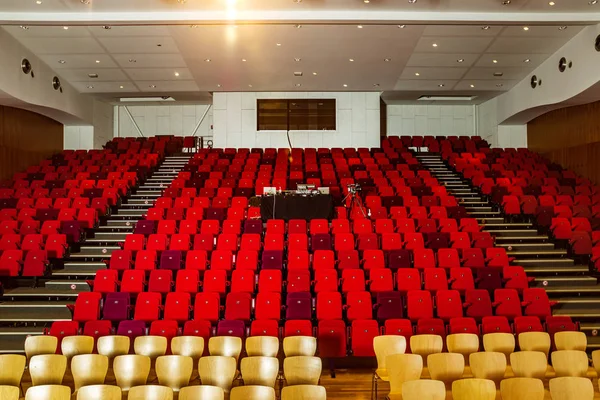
(298,73)
(446,98)
(93,76)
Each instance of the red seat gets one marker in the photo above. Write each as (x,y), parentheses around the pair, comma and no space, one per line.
(373,259)
(87,307)
(238,306)
(463,325)
(187,281)
(242,281)
(448,304)
(268,306)
(561,228)
(363,331)
(133,281)
(331,338)
(408,279)
(147,306)
(264,328)
(461,279)
(206,306)
(106,281)
(11,262)
(215,281)
(329,306)
(536,303)
(297,328)
(177,307)
(419,304)
(448,258)
(495,325)
(477,304)
(221,260)
(180,242)
(270,280)
(507,303)
(435,279)
(134,242)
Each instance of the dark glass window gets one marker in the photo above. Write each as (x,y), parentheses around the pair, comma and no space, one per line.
(296,114)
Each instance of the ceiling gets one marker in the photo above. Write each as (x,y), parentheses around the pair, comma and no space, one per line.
(173,60)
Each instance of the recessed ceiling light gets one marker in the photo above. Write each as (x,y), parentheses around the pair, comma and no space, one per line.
(441,85)
(193,26)
(249,85)
(298,84)
(159,45)
(417,74)
(460,60)
(85,1)
(593,2)
(376,84)
(351,59)
(366,1)
(90,87)
(152,86)
(526,60)
(107,27)
(62,62)
(495,61)
(297,59)
(387,59)
(298,26)
(39,2)
(435,45)
(359,26)
(401,26)
(551,3)
(499,85)
(297,1)
(506,2)
(412,1)
(207,60)
(132,60)
(24,27)
(485,28)
(472,86)
(218,85)
(65,28)
(314,73)
(525,28)
(121,87)
(278,44)
(498,74)
(94,76)
(97,61)
(243,60)
(176,73)
(562,28)
(345,85)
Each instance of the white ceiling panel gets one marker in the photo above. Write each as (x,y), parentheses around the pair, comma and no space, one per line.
(523,45)
(150,60)
(139,45)
(63,45)
(441,60)
(167,86)
(541,31)
(467,45)
(79,61)
(501,85)
(104,75)
(488,73)
(113,88)
(512,60)
(433,73)
(462,30)
(423,85)
(158,74)
(48,31)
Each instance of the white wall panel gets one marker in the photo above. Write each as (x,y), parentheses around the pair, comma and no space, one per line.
(419,120)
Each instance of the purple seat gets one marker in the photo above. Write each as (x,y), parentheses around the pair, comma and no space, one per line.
(72,229)
(544,215)
(116,306)
(253,226)
(399,259)
(8,203)
(215,213)
(457,212)
(437,240)
(244,192)
(321,241)
(389,306)
(170,259)
(54,184)
(272,259)
(47,214)
(299,306)
(488,279)
(145,228)
(92,193)
(231,328)
(131,329)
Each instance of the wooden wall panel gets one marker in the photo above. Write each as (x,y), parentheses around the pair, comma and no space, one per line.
(571,137)
(26,138)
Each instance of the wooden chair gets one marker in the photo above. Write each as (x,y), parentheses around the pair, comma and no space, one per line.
(259,371)
(473,389)
(217,371)
(522,389)
(488,365)
(225,346)
(47,369)
(75,345)
(150,392)
(303,392)
(529,364)
(463,343)
(425,345)
(99,392)
(402,368)
(12,367)
(570,363)
(384,346)
(131,370)
(48,392)
(89,369)
(424,389)
(446,367)
(534,341)
(150,346)
(113,345)
(40,344)
(190,346)
(9,392)
(262,346)
(570,341)
(571,388)
(499,342)
(203,392)
(252,393)
(174,371)
(302,370)
(596,361)
(299,346)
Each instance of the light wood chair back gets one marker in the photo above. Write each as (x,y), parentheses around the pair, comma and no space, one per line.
(225,346)
(191,346)
(217,371)
(488,365)
(571,388)
(48,392)
(203,392)
(40,344)
(402,368)
(47,369)
(425,345)
(529,364)
(302,370)
(174,371)
(522,389)
(150,392)
(424,389)
(534,341)
(596,361)
(265,346)
(99,392)
(474,389)
(463,343)
(151,346)
(252,392)
(89,369)
(299,346)
(131,370)
(259,371)
(500,342)
(384,346)
(570,363)
(113,345)
(74,345)
(568,340)
(303,392)
(446,367)
(9,392)
(12,367)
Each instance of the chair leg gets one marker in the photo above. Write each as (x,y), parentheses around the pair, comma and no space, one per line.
(332,367)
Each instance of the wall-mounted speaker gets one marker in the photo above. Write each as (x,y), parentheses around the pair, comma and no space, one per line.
(26,66)
(562,64)
(56,83)
(534,82)
(598,43)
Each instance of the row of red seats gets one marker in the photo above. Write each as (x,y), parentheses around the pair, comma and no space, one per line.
(88,217)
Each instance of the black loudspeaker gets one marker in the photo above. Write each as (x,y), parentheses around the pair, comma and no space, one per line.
(534,81)
(562,64)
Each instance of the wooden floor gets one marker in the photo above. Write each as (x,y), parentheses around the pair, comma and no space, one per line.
(348,384)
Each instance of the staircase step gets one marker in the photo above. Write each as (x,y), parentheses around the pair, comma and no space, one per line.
(510,232)
(526,246)
(563,291)
(130,213)
(143,205)
(148,195)
(530,262)
(106,236)
(120,223)
(521,239)
(511,225)
(580,313)
(544,281)
(489,220)
(556,269)
(41,292)
(537,254)
(34,314)
(90,267)
(479,209)
(78,284)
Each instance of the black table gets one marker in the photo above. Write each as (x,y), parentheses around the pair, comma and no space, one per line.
(290,206)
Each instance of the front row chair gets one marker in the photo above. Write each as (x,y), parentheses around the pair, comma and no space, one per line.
(99,392)
(48,392)
(150,392)
(522,389)
(302,370)
(402,368)
(424,389)
(89,369)
(131,370)
(203,392)
(9,392)
(252,392)
(469,389)
(217,371)
(303,392)
(571,388)
(299,346)
(47,369)
(174,371)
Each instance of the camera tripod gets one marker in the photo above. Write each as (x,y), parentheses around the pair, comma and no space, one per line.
(355,201)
